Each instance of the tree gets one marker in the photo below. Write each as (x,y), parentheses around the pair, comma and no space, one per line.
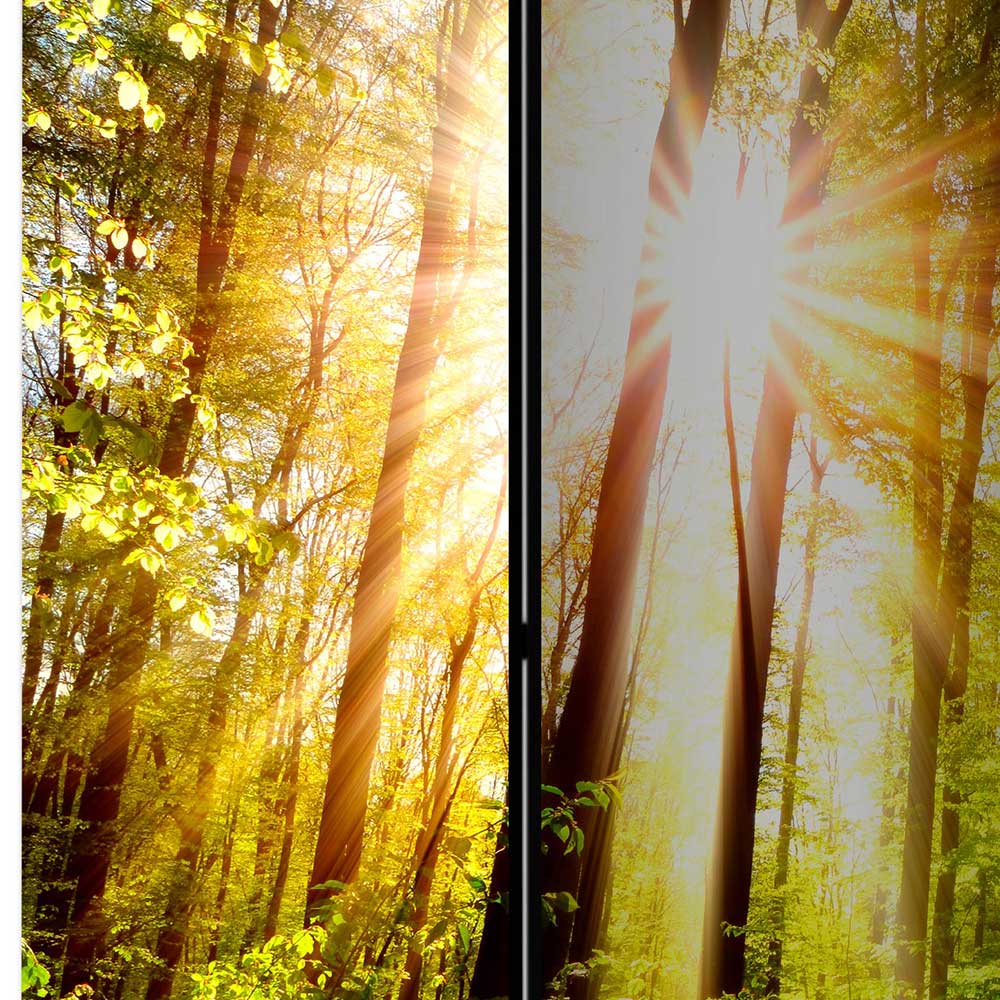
(584,747)
(218,709)
(810,552)
(352,750)
(731,866)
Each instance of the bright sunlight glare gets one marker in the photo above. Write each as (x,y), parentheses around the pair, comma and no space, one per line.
(721,264)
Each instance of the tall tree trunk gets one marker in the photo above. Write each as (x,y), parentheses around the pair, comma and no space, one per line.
(268,823)
(172,937)
(220,896)
(954,603)
(585,742)
(594,914)
(442,793)
(491,975)
(935,611)
(887,826)
(731,867)
(56,899)
(429,842)
(101,799)
(810,551)
(39,614)
(39,786)
(979,934)
(290,795)
(356,729)
(928,669)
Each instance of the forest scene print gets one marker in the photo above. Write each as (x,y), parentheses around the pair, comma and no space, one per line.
(770,535)
(264,684)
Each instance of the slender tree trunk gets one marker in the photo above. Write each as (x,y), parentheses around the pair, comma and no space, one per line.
(442,794)
(585,742)
(268,824)
(220,896)
(594,914)
(800,656)
(731,867)
(429,842)
(39,786)
(39,614)
(935,612)
(491,975)
(290,794)
(101,798)
(979,934)
(172,937)
(56,899)
(954,603)
(879,911)
(942,936)
(928,669)
(356,729)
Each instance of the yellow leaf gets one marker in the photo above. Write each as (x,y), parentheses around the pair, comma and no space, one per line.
(119,238)
(129,93)
(139,247)
(191,46)
(166,535)
(202,622)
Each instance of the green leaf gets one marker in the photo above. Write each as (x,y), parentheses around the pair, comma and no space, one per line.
(167,536)
(464,937)
(76,416)
(458,846)
(142,444)
(291,38)
(437,931)
(150,561)
(616,796)
(324,80)
(565,902)
(253,56)
(92,493)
